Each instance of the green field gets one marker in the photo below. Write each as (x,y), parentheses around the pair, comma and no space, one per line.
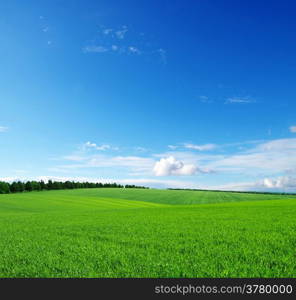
(147,233)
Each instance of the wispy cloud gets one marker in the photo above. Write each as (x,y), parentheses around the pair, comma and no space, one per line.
(134,50)
(100,148)
(131,164)
(293,129)
(259,159)
(163,55)
(3,128)
(280,183)
(205,99)
(205,147)
(268,158)
(107,31)
(95,49)
(141,149)
(172,147)
(120,34)
(45,29)
(239,100)
(114,47)
(115,41)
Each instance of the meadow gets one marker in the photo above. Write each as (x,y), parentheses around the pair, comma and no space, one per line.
(147,233)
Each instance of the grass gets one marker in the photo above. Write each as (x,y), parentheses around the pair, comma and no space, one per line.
(147,233)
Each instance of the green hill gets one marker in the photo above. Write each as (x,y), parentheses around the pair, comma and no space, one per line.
(146,233)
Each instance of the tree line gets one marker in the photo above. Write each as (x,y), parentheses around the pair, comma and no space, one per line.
(29,186)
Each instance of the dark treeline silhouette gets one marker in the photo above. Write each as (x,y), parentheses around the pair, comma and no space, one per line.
(243,192)
(28,186)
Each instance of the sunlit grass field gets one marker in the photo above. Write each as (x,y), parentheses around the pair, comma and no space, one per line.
(147,233)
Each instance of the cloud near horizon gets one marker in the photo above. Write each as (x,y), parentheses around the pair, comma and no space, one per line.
(263,160)
(276,184)
(3,128)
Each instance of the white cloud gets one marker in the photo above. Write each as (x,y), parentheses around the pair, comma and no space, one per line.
(258,159)
(205,99)
(120,34)
(163,55)
(277,145)
(107,31)
(281,182)
(3,129)
(293,129)
(101,147)
(141,149)
(134,50)
(239,100)
(90,145)
(114,47)
(200,147)
(268,157)
(189,157)
(11,179)
(170,166)
(172,147)
(278,184)
(113,41)
(133,164)
(263,158)
(95,49)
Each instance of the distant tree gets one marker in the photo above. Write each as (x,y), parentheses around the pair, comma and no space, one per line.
(42,185)
(14,187)
(28,186)
(4,187)
(49,185)
(36,185)
(56,185)
(21,186)
(69,185)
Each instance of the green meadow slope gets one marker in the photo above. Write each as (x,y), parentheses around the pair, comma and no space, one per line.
(147,233)
(171,197)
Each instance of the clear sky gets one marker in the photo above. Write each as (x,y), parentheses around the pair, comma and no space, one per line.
(197,94)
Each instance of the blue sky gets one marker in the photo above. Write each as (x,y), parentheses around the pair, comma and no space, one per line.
(197,94)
